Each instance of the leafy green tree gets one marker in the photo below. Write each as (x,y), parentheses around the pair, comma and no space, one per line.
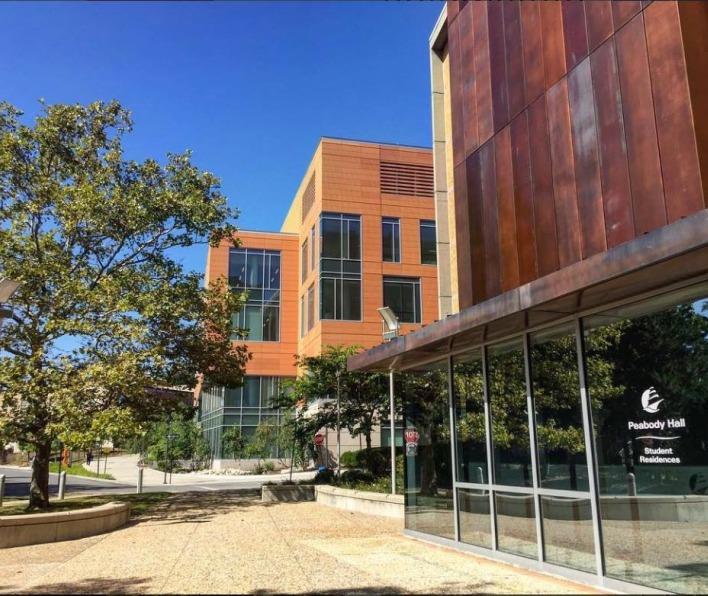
(105,309)
(363,397)
(233,442)
(261,444)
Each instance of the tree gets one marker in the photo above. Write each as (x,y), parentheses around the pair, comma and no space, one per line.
(362,396)
(261,443)
(105,311)
(233,442)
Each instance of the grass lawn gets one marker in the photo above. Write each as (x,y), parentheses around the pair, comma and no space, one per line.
(77,469)
(140,504)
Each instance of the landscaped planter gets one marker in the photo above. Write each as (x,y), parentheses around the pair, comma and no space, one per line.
(287,492)
(384,504)
(39,528)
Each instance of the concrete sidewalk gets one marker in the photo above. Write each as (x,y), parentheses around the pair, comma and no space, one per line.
(124,468)
(232,543)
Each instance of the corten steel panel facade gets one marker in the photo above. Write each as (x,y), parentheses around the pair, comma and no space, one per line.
(576,127)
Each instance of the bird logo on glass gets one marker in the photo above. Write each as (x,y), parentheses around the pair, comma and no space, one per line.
(649,401)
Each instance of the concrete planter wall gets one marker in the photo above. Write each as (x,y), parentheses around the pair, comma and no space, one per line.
(386,505)
(287,492)
(39,528)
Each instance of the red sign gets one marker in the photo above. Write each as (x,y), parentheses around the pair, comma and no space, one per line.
(319,439)
(411,435)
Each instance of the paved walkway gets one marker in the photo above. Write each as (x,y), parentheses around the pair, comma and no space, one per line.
(229,542)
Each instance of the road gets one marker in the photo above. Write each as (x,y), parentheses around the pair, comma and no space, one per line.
(17,483)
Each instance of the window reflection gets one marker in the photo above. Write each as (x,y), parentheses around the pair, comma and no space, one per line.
(648,382)
(428,465)
(468,387)
(567,533)
(510,425)
(559,420)
(516,524)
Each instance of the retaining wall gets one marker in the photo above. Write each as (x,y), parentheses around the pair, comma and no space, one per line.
(39,528)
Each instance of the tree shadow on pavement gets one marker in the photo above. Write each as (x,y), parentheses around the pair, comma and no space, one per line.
(128,585)
(200,507)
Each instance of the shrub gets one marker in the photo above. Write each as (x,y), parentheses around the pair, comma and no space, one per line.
(268,466)
(325,476)
(355,476)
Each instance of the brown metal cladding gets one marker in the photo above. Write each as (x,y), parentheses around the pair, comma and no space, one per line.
(534,74)
(553,50)
(614,167)
(507,212)
(573,121)
(563,167)
(490,220)
(463,227)
(672,103)
(469,87)
(476,218)
(598,20)
(623,11)
(456,99)
(587,166)
(640,128)
(543,200)
(523,199)
(485,125)
(694,28)
(497,62)
(574,32)
(514,58)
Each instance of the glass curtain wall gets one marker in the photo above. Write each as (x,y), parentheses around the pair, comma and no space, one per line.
(340,267)
(428,456)
(596,463)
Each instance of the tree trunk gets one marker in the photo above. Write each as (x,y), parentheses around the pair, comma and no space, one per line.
(39,487)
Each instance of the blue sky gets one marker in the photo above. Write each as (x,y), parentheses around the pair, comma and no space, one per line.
(249,87)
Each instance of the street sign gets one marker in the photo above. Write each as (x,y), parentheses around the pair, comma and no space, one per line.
(411,435)
(319,439)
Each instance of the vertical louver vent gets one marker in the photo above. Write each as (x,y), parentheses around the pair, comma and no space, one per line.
(308,197)
(406,179)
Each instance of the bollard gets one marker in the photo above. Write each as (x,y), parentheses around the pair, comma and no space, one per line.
(2,488)
(62,485)
(631,485)
(140,480)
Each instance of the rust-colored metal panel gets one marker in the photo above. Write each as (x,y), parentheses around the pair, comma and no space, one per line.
(563,167)
(542,179)
(453,7)
(458,130)
(523,199)
(614,167)
(507,215)
(646,3)
(553,45)
(694,27)
(514,58)
(485,121)
(640,128)
(478,262)
(497,63)
(463,230)
(587,165)
(490,214)
(534,74)
(598,19)
(469,99)
(574,32)
(623,11)
(674,119)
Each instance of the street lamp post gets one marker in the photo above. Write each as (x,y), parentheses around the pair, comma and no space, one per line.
(338,374)
(390,324)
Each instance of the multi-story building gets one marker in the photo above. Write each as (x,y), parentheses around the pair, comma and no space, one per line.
(360,234)
(571,148)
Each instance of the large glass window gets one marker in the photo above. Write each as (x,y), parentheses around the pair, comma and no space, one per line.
(340,267)
(470,425)
(304,259)
(402,295)
(428,459)
(391,239)
(311,307)
(647,378)
(257,272)
(510,423)
(428,243)
(559,418)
